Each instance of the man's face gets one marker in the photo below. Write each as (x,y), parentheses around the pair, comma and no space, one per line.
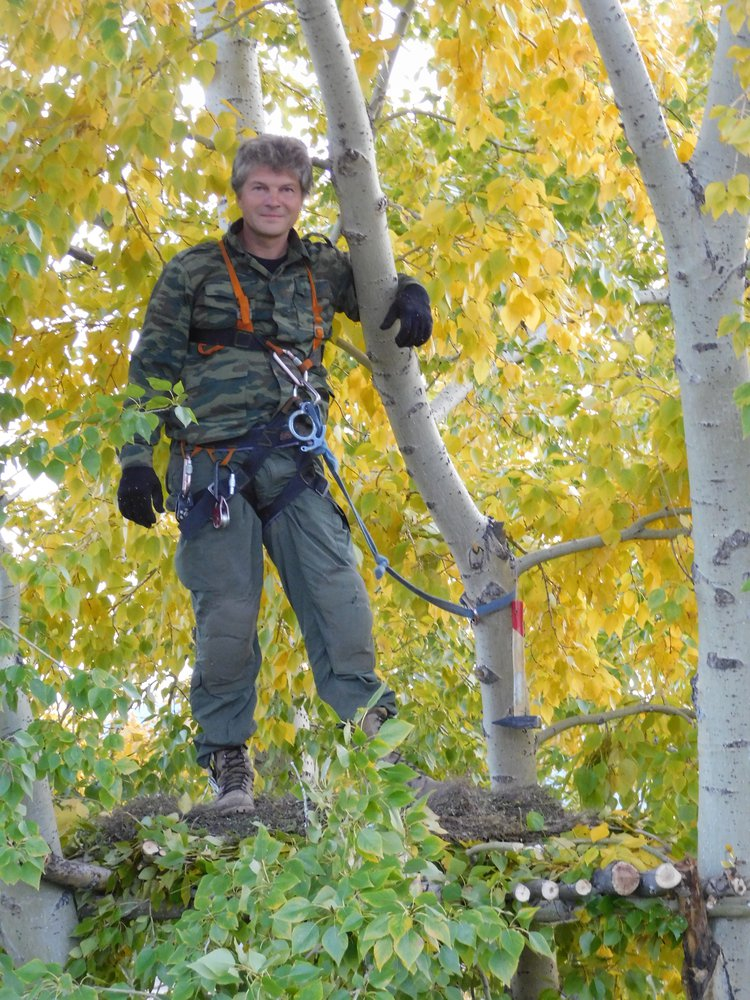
(270,202)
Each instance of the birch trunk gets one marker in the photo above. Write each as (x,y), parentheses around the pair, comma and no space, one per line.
(236,84)
(480,551)
(706,261)
(33,923)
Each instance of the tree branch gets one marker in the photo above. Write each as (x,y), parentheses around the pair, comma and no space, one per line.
(76,874)
(652,297)
(714,159)
(667,181)
(354,352)
(384,73)
(637,531)
(602,718)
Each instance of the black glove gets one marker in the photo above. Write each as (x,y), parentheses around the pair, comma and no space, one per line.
(139,489)
(412,307)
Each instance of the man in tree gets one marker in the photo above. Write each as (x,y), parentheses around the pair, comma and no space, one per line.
(242,324)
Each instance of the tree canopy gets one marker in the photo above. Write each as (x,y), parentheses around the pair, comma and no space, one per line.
(515,198)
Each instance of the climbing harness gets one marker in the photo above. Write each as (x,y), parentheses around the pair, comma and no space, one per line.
(302,429)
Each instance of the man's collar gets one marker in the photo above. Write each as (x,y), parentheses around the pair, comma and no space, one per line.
(296,247)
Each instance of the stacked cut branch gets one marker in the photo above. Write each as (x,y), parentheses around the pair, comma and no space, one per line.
(556,901)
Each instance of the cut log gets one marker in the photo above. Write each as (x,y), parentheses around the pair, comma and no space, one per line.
(543,888)
(574,892)
(659,881)
(618,879)
(522,893)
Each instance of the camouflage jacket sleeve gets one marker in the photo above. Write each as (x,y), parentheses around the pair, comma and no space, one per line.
(161,348)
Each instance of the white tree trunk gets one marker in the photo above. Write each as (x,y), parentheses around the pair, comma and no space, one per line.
(706,260)
(33,923)
(482,557)
(236,84)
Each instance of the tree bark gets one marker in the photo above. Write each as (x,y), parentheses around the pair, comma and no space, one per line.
(34,923)
(236,82)
(706,262)
(481,553)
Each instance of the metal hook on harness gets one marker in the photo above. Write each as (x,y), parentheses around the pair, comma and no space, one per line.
(296,375)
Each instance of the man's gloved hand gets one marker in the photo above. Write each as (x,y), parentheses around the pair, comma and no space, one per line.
(412,307)
(139,494)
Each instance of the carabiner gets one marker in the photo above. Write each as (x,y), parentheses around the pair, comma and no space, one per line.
(220,514)
(184,500)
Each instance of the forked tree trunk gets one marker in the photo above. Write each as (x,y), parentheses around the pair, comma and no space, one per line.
(480,552)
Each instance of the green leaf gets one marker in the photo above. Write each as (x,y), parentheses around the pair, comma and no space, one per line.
(296,910)
(160,384)
(409,948)
(185,415)
(31,264)
(503,966)
(217,966)
(35,233)
(539,944)
(370,843)
(92,462)
(335,942)
(305,937)
(534,821)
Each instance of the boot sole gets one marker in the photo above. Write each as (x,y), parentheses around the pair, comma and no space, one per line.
(232,803)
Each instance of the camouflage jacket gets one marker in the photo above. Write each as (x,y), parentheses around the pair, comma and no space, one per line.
(234,389)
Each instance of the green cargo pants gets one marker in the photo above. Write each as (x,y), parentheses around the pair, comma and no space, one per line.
(310,545)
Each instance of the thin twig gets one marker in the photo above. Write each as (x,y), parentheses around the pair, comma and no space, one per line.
(232,22)
(436,116)
(43,652)
(305,810)
(129,593)
(485,984)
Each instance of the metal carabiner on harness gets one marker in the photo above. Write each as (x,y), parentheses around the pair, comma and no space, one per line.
(296,375)
(220,513)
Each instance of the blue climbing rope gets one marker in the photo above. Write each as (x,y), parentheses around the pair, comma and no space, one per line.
(313,442)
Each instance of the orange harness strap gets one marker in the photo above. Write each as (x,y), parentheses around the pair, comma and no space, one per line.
(245,322)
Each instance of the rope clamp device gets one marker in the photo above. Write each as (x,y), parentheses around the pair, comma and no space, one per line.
(311,434)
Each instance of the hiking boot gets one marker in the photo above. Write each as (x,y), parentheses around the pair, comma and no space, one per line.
(422,784)
(231,775)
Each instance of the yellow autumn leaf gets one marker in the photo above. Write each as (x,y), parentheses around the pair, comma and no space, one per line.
(520,308)
(644,345)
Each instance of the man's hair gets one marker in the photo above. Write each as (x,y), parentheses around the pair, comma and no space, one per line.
(280,153)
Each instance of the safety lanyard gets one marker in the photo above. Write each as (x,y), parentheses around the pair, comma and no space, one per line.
(245,321)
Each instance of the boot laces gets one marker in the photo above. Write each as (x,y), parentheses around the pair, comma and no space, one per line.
(232,770)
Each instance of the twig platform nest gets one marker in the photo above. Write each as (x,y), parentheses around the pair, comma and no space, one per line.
(465,814)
